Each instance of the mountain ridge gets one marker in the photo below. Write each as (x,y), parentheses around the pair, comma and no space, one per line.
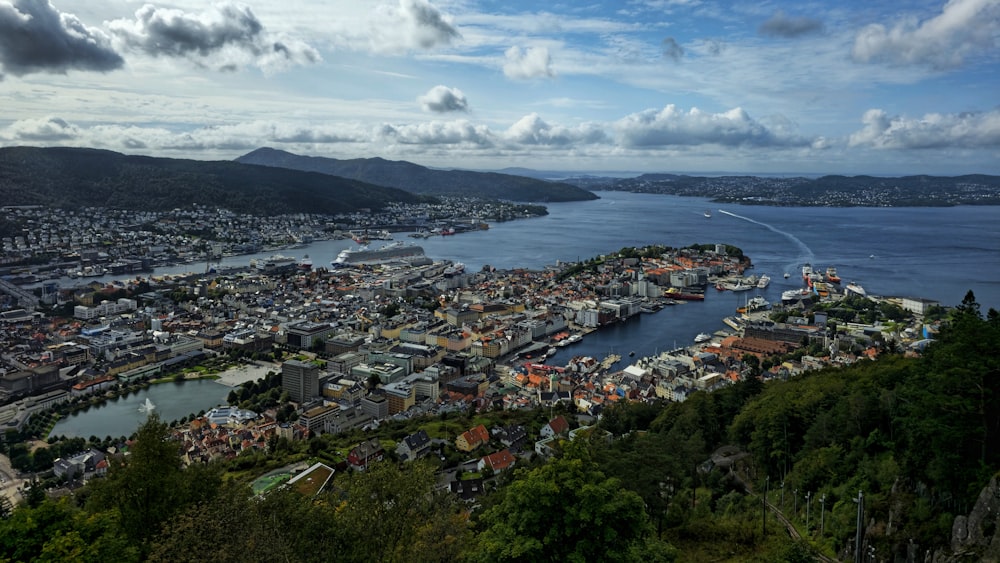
(422,180)
(68,177)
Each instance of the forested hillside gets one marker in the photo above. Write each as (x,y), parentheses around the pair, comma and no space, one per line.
(77,178)
(422,180)
(918,437)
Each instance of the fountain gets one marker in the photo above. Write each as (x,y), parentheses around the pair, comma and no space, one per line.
(147,407)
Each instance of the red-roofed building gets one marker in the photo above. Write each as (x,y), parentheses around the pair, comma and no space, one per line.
(498,461)
(472,438)
(555,427)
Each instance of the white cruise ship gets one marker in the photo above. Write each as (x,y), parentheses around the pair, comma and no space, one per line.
(396,251)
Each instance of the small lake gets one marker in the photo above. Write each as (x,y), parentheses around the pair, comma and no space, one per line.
(121,416)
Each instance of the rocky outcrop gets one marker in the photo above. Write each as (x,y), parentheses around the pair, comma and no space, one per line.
(976,537)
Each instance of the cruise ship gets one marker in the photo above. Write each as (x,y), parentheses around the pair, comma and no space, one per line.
(393,252)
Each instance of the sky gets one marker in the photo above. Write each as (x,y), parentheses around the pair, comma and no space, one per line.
(883,87)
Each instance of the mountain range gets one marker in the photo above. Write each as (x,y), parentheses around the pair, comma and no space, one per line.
(422,180)
(80,177)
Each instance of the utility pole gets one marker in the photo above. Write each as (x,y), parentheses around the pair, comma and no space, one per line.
(808,497)
(763,512)
(822,514)
(858,523)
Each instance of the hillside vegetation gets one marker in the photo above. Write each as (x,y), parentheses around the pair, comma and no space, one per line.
(422,180)
(76,178)
(920,437)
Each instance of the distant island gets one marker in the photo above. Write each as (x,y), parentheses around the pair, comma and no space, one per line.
(826,191)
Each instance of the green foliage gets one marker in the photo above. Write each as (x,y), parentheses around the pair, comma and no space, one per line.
(565,510)
(55,530)
(148,486)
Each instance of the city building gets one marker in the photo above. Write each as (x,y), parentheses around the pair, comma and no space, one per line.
(300,379)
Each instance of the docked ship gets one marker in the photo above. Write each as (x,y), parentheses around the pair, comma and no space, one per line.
(454,269)
(702,337)
(675,293)
(393,252)
(855,289)
(809,275)
(795,295)
(758,303)
(276,263)
(763,281)
(831,275)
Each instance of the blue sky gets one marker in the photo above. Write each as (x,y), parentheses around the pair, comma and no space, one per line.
(876,87)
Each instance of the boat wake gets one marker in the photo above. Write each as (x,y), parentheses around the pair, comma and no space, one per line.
(807,253)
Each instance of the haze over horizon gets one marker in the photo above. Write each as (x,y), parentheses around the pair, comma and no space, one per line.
(639,86)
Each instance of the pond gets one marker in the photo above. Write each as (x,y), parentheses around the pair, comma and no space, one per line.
(121,416)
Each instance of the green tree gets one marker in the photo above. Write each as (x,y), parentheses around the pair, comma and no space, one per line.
(565,510)
(149,485)
(393,514)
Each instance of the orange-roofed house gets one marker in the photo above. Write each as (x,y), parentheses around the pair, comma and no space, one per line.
(497,461)
(472,438)
(555,427)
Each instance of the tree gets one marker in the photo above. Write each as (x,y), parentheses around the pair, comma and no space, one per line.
(393,514)
(565,510)
(149,485)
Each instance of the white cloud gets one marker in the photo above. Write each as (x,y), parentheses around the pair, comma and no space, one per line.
(442,99)
(674,127)
(47,129)
(962,28)
(225,37)
(413,24)
(522,64)
(460,132)
(932,131)
(532,130)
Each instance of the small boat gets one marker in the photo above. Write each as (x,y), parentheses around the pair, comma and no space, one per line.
(787,275)
(708,214)
(702,337)
(872,257)
(551,352)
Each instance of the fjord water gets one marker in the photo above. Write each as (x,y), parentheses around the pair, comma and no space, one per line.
(938,253)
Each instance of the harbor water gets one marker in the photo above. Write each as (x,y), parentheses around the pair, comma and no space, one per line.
(934,253)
